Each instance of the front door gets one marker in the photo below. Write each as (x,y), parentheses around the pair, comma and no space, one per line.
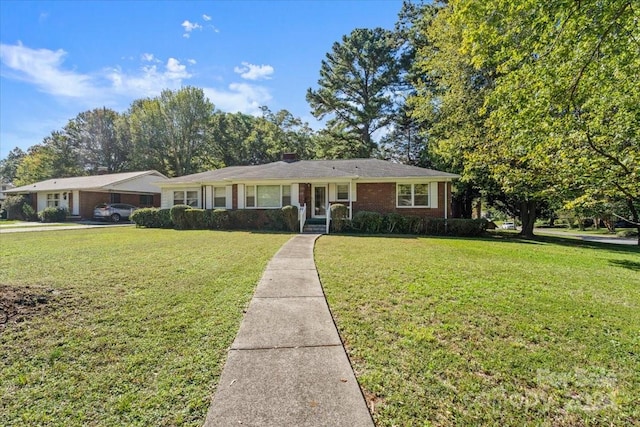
(319,201)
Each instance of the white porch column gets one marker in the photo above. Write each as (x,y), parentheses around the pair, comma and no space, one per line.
(75,209)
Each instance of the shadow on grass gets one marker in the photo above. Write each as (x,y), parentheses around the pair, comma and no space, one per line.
(625,263)
(507,237)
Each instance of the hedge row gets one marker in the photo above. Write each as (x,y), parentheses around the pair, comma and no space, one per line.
(183,217)
(393,223)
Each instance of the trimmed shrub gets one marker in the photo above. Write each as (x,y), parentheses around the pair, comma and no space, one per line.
(145,217)
(164,218)
(194,219)
(220,219)
(339,213)
(367,222)
(243,219)
(178,216)
(414,225)
(434,227)
(395,223)
(466,227)
(152,218)
(290,214)
(53,214)
(275,220)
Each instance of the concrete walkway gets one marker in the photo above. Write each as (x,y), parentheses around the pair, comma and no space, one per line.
(287,365)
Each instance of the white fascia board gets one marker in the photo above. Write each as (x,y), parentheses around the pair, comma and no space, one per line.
(409,180)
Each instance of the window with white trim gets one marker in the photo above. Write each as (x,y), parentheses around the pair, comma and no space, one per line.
(342,192)
(412,195)
(219,197)
(53,200)
(267,196)
(186,197)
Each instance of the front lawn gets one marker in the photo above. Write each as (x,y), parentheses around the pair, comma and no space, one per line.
(120,326)
(497,331)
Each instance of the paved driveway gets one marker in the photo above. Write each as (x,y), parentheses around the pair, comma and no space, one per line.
(38,226)
(588,237)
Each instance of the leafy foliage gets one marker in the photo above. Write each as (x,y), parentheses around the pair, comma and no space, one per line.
(356,85)
(52,214)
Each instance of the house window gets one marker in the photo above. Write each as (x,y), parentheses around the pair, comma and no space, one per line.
(146,200)
(342,192)
(219,197)
(115,198)
(267,196)
(185,198)
(412,195)
(53,200)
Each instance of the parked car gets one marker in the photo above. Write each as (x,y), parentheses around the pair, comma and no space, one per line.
(508,225)
(114,212)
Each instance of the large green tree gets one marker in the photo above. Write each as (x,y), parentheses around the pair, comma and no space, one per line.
(449,101)
(170,132)
(56,157)
(565,113)
(9,165)
(357,88)
(101,138)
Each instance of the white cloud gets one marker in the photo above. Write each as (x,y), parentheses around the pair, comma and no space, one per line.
(206,17)
(43,68)
(150,81)
(191,61)
(189,27)
(240,97)
(254,72)
(148,57)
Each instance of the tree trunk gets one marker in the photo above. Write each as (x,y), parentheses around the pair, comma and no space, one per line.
(636,217)
(527,217)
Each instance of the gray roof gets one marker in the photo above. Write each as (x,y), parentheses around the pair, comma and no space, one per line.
(314,169)
(94,182)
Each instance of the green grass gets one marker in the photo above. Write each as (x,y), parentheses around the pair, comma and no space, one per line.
(493,331)
(136,327)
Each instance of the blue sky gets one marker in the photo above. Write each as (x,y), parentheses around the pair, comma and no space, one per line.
(60,58)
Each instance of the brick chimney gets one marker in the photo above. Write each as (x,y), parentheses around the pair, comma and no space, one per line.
(103,170)
(289,157)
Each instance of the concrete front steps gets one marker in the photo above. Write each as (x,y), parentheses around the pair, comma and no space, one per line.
(315,226)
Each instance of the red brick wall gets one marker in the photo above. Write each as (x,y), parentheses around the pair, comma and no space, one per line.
(234,196)
(304,197)
(381,197)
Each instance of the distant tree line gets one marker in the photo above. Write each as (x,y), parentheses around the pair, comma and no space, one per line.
(536,105)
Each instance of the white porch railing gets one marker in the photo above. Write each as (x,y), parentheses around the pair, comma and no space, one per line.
(328,215)
(302,216)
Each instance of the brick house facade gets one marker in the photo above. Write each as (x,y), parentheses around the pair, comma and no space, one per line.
(80,195)
(313,185)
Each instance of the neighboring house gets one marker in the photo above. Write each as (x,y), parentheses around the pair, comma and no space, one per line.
(81,194)
(360,184)
(4,187)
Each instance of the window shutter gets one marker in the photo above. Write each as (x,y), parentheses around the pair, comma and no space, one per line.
(332,192)
(229,197)
(433,195)
(240,196)
(295,194)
